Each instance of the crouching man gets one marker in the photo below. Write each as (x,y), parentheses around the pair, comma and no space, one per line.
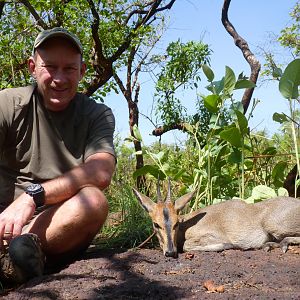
(57,156)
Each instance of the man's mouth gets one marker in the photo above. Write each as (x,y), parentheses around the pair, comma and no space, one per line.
(59,90)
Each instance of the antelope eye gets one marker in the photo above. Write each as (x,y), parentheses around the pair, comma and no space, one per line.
(156,226)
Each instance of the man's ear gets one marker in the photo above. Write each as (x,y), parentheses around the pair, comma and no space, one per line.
(31,66)
(82,70)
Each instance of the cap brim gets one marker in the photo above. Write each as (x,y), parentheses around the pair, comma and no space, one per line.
(59,34)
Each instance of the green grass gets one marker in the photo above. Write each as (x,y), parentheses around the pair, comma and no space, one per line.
(132,225)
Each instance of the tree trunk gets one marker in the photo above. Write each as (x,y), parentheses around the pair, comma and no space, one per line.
(248,55)
(134,120)
(289,182)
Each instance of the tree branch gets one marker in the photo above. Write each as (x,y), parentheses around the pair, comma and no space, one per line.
(163,129)
(36,16)
(154,8)
(248,55)
(120,84)
(144,12)
(2,4)
(101,65)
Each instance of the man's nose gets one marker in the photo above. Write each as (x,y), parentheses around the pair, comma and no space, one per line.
(59,76)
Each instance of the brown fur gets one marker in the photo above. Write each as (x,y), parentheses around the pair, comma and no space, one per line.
(229,224)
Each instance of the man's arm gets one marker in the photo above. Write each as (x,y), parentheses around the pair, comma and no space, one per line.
(96,171)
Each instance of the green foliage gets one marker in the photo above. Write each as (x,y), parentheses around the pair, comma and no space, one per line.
(181,70)
(131,227)
(290,80)
(289,39)
(262,192)
(290,35)
(289,87)
(183,65)
(227,161)
(20,24)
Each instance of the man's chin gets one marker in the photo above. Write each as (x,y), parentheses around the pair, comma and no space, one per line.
(55,104)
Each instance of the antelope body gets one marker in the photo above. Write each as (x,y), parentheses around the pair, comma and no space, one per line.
(232,224)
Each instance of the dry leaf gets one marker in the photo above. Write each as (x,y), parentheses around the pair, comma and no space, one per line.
(189,256)
(212,288)
(294,250)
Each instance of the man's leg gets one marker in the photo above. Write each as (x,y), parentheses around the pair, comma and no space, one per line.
(70,226)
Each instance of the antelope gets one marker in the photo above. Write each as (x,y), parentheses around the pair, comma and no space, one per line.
(232,224)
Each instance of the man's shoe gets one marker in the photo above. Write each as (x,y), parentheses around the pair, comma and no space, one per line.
(24,259)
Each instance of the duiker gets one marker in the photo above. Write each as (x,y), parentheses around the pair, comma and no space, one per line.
(232,224)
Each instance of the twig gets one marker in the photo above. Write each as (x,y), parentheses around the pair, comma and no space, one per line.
(146,241)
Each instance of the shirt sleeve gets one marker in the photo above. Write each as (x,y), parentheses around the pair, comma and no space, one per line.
(5,115)
(101,131)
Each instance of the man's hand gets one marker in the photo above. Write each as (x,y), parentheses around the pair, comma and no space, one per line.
(15,216)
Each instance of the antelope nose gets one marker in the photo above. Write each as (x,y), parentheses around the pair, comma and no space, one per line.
(171,254)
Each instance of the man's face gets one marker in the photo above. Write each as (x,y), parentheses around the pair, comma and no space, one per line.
(57,67)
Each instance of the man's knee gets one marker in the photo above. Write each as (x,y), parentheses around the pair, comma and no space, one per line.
(93,205)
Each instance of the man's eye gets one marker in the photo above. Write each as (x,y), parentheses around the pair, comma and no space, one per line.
(71,69)
(50,67)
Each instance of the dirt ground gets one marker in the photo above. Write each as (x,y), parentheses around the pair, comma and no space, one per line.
(147,274)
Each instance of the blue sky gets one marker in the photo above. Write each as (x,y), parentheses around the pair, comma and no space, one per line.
(256,21)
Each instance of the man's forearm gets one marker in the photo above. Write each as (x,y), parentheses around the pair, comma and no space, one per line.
(97,172)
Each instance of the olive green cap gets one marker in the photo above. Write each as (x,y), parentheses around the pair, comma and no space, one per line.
(56,32)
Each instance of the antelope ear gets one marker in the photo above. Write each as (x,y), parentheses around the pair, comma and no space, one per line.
(145,201)
(181,202)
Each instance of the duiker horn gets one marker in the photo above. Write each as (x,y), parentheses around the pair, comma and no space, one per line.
(168,198)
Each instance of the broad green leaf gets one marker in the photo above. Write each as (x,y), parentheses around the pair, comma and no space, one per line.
(270,151)
(244,84)
(278,173)
(229,80)
(179,174)
(233,136)
(212,103)
(235,157)
(147,169)
(290,80)
(250,200)
(282,192)
(137,133)
(216,201)
(159,156)
(280,118)
(262,192)
(216,86)
(208,72)
(242,122)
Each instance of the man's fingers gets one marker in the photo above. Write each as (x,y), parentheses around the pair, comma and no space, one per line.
(17,230)
(8,231)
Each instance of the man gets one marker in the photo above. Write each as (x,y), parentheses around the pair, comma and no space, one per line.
(56,157)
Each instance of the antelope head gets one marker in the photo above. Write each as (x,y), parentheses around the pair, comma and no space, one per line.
(164,215)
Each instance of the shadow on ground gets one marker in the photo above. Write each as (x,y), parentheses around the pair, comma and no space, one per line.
(146,274)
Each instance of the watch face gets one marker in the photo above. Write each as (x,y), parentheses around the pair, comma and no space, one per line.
(34,187)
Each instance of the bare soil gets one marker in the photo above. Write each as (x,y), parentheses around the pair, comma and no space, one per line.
(147,274)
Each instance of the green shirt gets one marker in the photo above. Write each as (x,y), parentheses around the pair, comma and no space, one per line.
(37,144)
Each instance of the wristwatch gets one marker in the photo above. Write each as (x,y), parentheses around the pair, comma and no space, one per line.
(37,192)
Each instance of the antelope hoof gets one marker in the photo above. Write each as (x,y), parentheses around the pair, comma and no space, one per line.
(270,246)
(284,247)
